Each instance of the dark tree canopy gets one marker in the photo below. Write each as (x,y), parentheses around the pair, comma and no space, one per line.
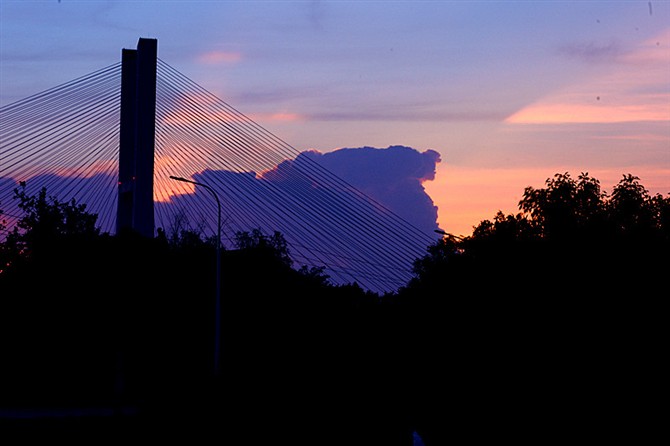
(568,207)
(569,232)
(45,222)
(523,328)
(89,320)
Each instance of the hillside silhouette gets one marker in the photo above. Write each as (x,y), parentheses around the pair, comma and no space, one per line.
(542,325)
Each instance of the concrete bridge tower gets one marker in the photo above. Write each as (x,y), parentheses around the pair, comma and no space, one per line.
(135,209)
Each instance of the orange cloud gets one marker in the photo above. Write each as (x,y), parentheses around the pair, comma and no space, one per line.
(165,165)
(638,89)
(565,113)
(103,166)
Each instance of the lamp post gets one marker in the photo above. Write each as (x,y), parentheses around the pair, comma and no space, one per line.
(217,305)
(440,231)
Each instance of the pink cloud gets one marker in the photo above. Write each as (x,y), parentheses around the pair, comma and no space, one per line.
(637,88)
(569,113)
(219,57)
(279,116)
(647,137)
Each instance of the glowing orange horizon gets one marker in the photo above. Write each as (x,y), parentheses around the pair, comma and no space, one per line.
(466,195)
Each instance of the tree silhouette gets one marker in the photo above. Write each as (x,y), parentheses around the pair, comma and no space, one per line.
(632,211)
(520,329)
(45,222)
(93,319)
(274,244)
(565,206)
(526,326)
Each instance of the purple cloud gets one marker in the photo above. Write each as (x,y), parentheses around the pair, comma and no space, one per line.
(393,176)
(333,208)
(591,52)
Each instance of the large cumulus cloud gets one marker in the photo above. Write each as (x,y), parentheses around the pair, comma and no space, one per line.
(393,176)
(336,208)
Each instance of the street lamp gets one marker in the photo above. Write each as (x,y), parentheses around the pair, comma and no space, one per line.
(440,231)
(217,305)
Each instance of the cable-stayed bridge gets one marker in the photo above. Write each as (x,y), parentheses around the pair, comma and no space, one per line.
(69,140)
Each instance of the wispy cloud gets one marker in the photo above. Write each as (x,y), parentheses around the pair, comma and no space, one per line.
(278,116)
(219,57)
(195,110)
(637,89)
(591,52)
(407,114)
(568,112)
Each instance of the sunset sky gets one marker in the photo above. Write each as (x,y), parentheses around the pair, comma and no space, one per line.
(507,92)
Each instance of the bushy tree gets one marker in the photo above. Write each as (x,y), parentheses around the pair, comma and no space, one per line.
(565,206)
(256,240)
(632,211)
(276,247)
(570,232)
(568,208)
(46,222)
(539,308)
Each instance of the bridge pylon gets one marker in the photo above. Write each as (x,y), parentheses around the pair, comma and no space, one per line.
(135,208)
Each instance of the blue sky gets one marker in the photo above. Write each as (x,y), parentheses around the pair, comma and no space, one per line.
(508,93)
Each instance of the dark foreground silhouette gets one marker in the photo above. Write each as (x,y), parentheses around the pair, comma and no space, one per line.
(529,331)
